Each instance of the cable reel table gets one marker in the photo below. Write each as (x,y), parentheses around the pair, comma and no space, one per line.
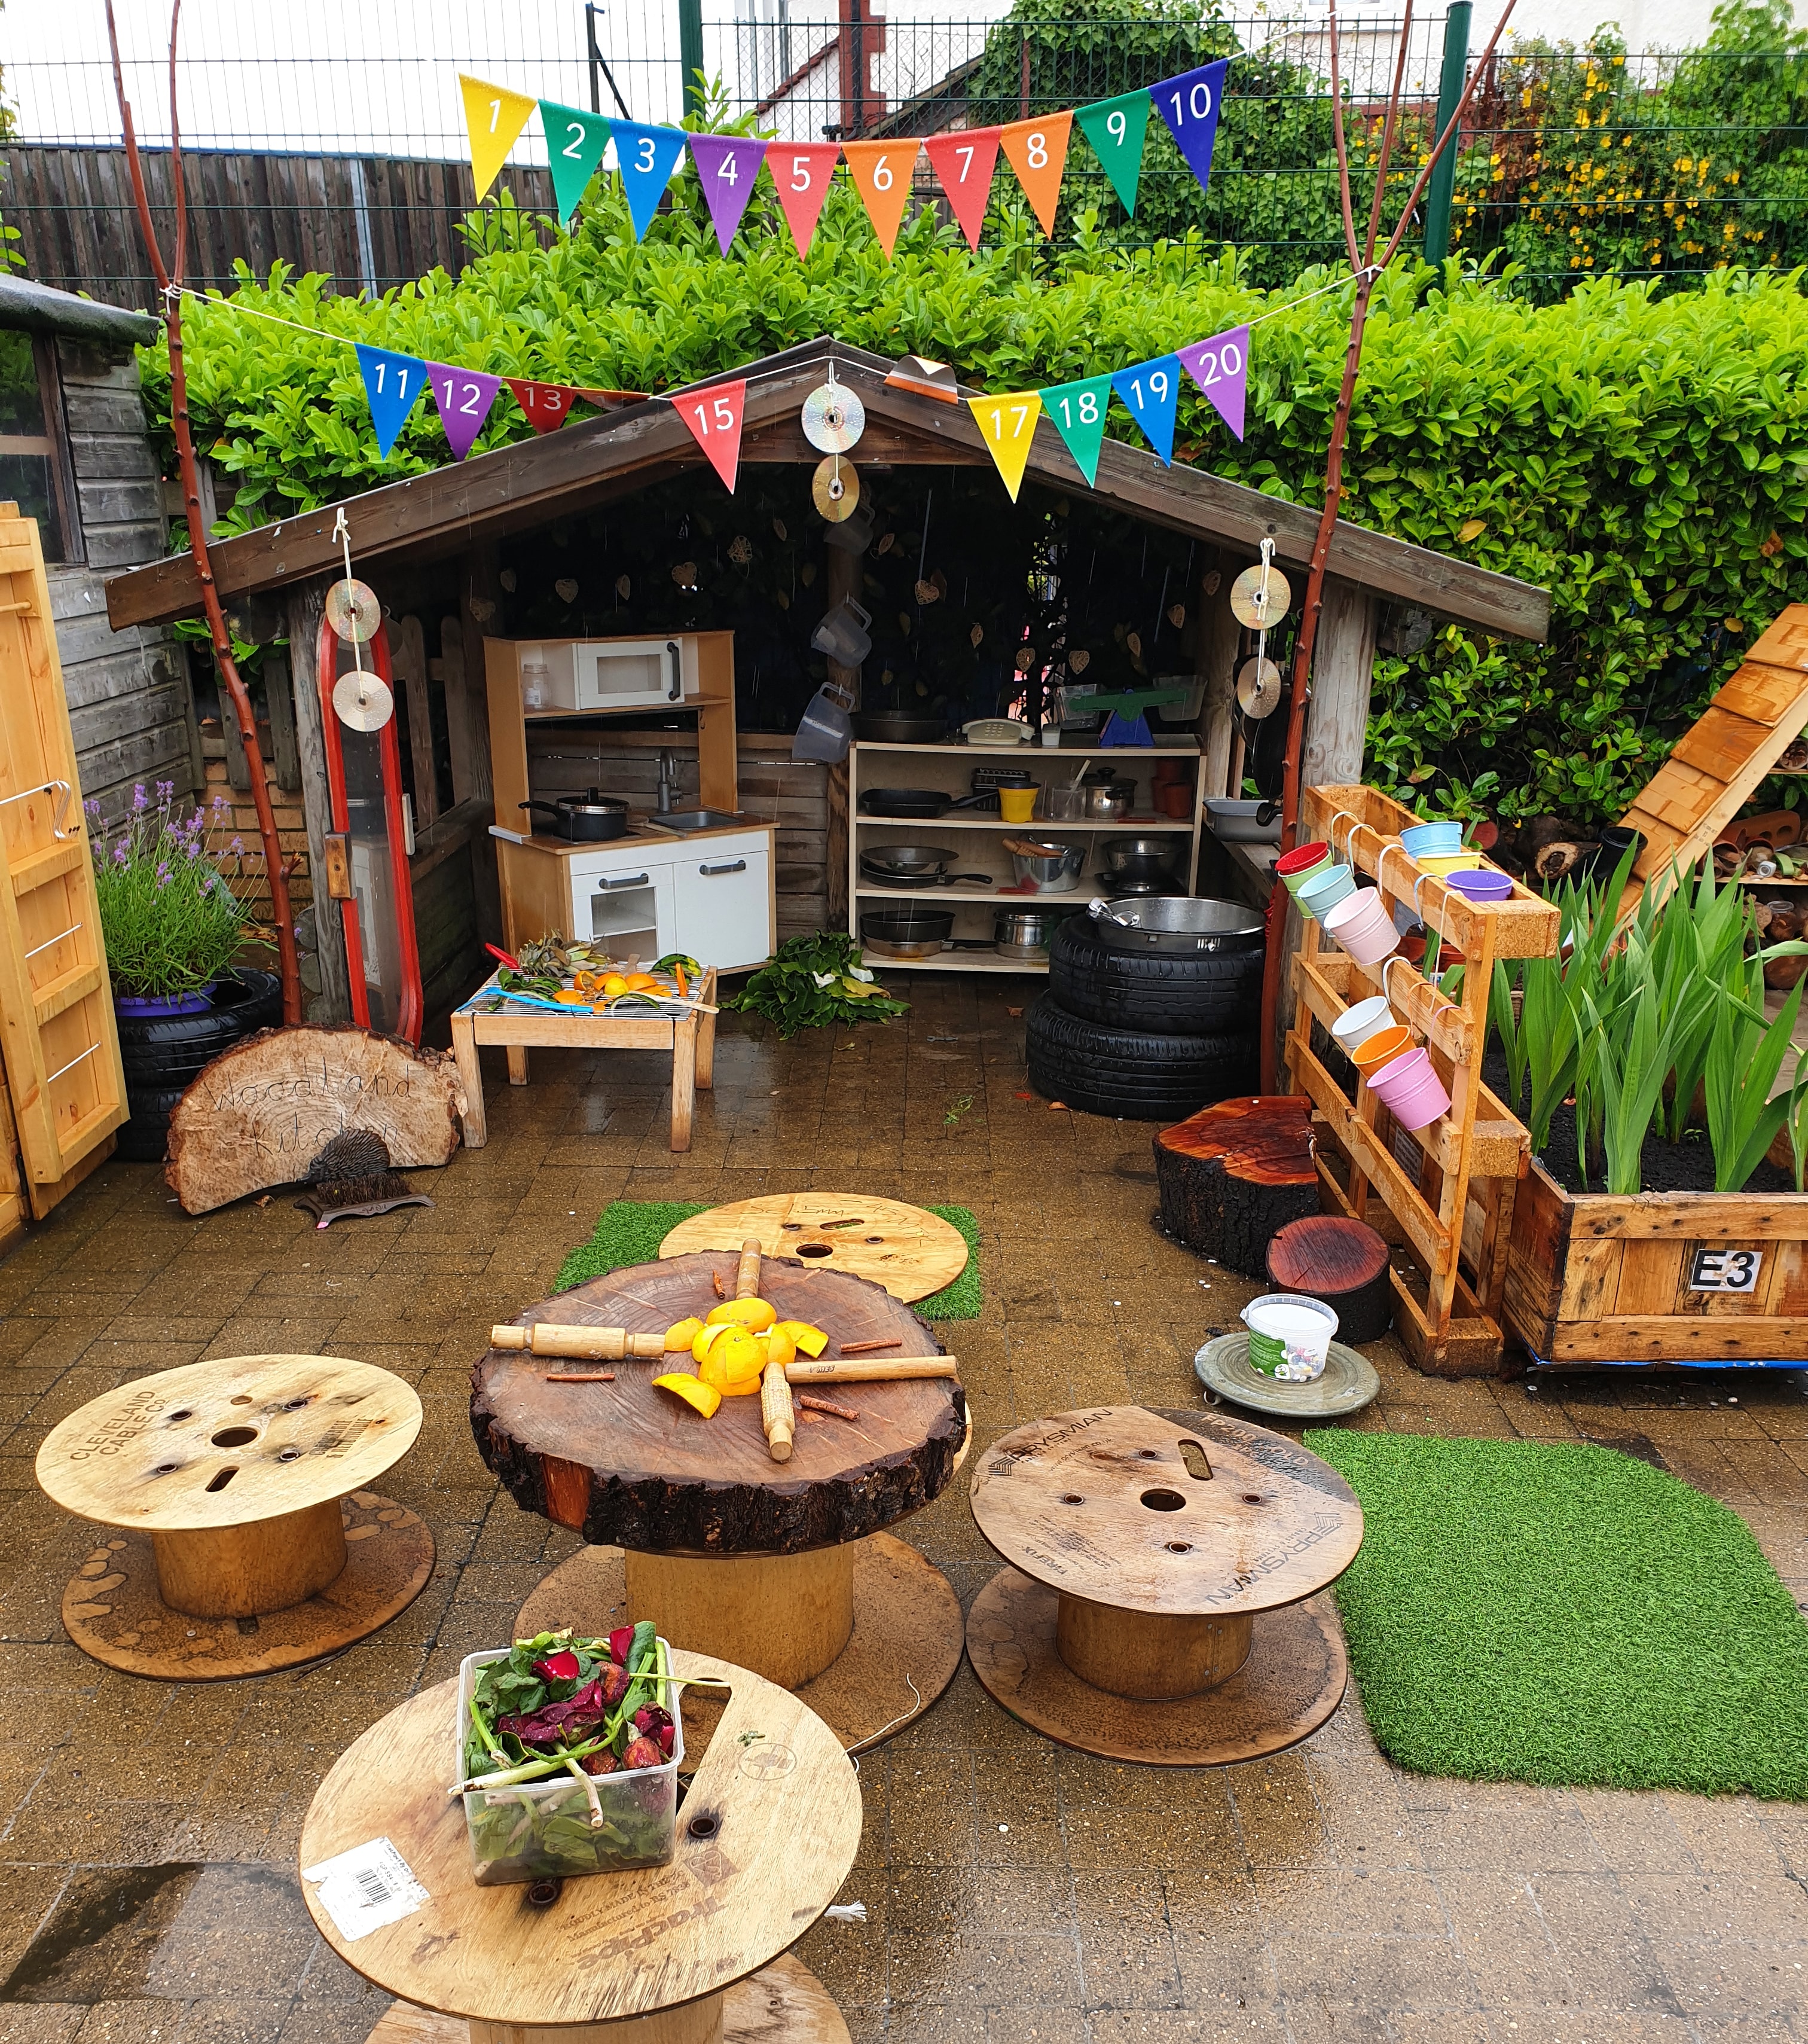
(249,1538)
(1160,1605)
(688,1952)
(786,1567)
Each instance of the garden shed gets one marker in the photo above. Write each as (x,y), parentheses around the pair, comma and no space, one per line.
(618,525)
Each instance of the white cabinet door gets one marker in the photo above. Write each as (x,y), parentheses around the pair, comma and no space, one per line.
(626,903)
(724,903)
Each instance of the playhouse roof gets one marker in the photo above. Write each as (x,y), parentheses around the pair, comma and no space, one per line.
(603,460)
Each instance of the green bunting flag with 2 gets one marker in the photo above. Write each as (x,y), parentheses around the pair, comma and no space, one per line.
(1078,411)
(575,141)
(1114,128)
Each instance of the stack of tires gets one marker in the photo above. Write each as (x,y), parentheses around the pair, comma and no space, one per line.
(162,1054)
(1143,1035)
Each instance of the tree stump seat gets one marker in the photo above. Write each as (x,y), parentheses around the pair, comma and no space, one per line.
(1343,1263)
(1235,1174)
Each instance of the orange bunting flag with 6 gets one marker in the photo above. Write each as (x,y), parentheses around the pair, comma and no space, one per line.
(882,172)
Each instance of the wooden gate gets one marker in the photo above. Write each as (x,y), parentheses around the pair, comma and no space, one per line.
(66,1086)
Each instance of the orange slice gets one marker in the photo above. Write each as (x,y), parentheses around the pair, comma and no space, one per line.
(693,1391)
(754,1313)
(811,1340)
(681,1334)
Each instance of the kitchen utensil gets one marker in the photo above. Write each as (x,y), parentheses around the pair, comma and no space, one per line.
(1358,1023)
(1054,872)
(1179,926)
(1025,929)
(1320,891)
(988,780)
(1362,923)
(1300,1326)
(897,727)
(1107,801)
(1017,806)
(908,880)
(913,932)
(1126,851)
(833,418)
(579,1344)
(853,534)
(588,819)
(1235,821)
(919,802)
(860,1370)
(1064,805)
(834,488)
(823,732)
(1140,885)
(842,635)
(906,862)
(996,730)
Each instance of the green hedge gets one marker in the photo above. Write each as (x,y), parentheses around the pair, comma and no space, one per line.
(1646,458)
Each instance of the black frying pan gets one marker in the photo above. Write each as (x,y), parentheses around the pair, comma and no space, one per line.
(922,802)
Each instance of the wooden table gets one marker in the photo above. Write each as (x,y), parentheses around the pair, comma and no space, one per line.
(681,1953)
(690,1037)
(1157,1605)
(785,1568)
(250,1538)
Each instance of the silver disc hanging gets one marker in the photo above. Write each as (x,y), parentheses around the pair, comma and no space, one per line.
(353,611)
(1259,597)
(362,701)
(835,488)
(834,418)
(1258,688)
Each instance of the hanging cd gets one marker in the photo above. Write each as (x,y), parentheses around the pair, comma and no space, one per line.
(836,489)
(1258,597)
(362,701)
(834,418)
(353,612)
(1258,687)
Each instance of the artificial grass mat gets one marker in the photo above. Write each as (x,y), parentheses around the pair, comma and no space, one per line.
(1550,1612)
(631,1232)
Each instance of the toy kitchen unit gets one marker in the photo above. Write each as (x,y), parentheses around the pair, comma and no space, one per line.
(643,882)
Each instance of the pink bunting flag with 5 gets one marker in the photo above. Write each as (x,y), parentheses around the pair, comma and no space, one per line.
(1220,367)
(464,397)
(714,417)
(802,174)
(726,168)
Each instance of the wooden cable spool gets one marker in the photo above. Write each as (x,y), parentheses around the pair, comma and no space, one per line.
(1235,1174)
(1343,1263)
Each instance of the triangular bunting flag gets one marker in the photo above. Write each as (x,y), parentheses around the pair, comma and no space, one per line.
(547,405)
(1152,390)
(647,157)
(882,172)
(464,397)
(575,141)
(1008,425)
(1189,105)
(963,160)
(1220,367)
(1114,128)
(802,172)
(1036,151)
(1078,411)
(726,167)
(392,383)
(714,417)
(495,116)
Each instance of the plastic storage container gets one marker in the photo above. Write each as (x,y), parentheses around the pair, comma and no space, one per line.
(541,1830)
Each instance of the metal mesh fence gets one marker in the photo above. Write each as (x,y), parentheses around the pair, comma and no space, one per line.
(340,142)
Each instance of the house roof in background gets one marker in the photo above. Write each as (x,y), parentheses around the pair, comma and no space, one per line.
(41,309)
(602,460)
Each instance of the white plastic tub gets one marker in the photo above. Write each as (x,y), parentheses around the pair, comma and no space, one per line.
(541,1830)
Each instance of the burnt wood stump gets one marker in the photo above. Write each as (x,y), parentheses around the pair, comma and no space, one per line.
(1235,1174)
(1343,1263)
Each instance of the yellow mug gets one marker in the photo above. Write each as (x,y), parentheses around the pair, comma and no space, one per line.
(1017,806)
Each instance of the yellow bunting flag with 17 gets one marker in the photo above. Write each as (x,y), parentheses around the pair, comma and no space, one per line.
(1008,425)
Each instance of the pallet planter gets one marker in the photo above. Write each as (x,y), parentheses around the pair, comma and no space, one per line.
(1452,1199)
(1676,1279)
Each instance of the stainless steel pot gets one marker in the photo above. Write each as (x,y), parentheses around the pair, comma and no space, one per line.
(1058,874)
(1181,925)
(1125,853)
(1106,801)
(1024,929)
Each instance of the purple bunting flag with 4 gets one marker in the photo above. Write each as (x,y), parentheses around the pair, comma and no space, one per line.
(726,167)
(1220,367)
(1151,391)
(1189,105)
(464,397)
(392,382)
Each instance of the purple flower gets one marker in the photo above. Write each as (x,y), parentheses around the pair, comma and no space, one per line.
(140,799)
(237,845)
(119,854)
(93,806)
(165,789)
(163,876)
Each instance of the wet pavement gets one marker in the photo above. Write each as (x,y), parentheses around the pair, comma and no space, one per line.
(1015,1891)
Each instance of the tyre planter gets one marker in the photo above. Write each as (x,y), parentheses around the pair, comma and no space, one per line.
(1207,994)
(1657,1278)
(163,1054)
(1135,1075)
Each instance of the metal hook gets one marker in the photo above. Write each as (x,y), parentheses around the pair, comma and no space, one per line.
(1331,828)
(43,788)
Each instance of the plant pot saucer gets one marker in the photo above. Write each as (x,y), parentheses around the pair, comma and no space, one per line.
(1349,1382)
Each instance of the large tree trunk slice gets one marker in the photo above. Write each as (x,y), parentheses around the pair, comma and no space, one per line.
(1235,1174)
(626,1464)
(262,1111)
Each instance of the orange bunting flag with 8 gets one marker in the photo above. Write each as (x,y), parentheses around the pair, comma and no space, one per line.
(1036,151)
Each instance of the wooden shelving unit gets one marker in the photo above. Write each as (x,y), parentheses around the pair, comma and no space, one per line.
(949,768)
(1452,1199)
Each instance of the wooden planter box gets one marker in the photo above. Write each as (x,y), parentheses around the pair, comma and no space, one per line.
(1657,1277)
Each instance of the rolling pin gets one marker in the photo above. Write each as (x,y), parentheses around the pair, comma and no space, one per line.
(579,1344)
(777,1416)
(863,1370)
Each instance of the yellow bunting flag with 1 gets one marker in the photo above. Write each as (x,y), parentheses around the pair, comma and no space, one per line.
(495,117)
(1008,425)
(882,172)
(1036,151)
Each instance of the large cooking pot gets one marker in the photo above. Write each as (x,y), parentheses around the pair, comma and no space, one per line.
(921,801)
(1106,801)
(1180,926)
(898,727)
(591,818)
(1138,855)
(914,866)
(1056,871)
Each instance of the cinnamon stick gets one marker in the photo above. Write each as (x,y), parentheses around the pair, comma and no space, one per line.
(867,1348)
(812,1404)
(579,1376)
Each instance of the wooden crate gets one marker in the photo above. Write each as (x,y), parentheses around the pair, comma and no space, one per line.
(1453,1201)
(1603,1277)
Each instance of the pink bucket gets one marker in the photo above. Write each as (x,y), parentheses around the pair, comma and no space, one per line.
(1414,1097)
(1360,922)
